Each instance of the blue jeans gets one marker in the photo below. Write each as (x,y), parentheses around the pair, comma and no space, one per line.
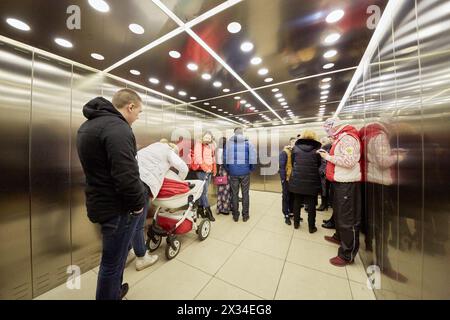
(117,234)
(138,241)
(203,201)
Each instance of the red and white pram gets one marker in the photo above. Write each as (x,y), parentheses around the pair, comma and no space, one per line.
(167,223)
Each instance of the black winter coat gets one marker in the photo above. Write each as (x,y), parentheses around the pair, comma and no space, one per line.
(305,178)
(323,169)
(107,151)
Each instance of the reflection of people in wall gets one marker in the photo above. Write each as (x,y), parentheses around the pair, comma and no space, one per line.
(379,160)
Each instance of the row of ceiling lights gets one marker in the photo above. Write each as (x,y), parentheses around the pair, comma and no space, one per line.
(331,39)
(99,5)
(247,46)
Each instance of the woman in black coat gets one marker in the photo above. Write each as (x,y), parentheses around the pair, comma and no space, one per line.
(305,182)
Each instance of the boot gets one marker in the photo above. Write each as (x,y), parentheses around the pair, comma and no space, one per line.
(209,214)
(287,220)
(200,212)
(323,205)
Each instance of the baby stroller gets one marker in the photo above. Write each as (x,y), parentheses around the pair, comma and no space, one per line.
(170,224)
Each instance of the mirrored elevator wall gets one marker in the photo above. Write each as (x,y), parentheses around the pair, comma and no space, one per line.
(43,224)
(402,103)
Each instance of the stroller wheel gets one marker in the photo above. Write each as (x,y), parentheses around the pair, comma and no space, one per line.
(153,243)
(203,229)
(173,252)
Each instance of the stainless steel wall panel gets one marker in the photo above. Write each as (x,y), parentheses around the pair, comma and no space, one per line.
(85,236)
(434,45)
(15,102)
(49,173)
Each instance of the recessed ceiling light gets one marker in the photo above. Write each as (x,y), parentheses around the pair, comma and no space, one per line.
(330,54)
(268,80)
(335,16)
(97,56)
(174,54)
(282,100)
(252,108)
(182,93)
(213,107)
(153,80)
(219,109)
(275,90)
(325,92)
(170,87)
(325,87)
(322,106)
(15,23)
(243,101)
(193,98)
(323,97)
(323,101)
(217,84)
(99,5)
(206,103)
(226,90)
(248,105)
(206,76)
(286,107)
(278,95)
(256,110)
(192,66)
(234,27)
(256,60)
(226,112)
(136,28)
(332,38)
(135,72)
(247,46)
(237,98)
(263,71)
(326,80)
(328,66)
(64,43)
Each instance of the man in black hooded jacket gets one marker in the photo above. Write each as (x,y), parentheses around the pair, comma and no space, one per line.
(115,195)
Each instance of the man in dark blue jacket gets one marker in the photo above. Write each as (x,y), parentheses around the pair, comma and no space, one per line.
(115,194)
(239,159)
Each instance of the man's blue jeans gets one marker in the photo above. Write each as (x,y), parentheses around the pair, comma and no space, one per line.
(117,234)
(138,241)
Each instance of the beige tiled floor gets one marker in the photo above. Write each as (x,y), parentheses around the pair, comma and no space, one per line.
(260,259)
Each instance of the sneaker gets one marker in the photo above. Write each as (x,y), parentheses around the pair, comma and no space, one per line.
(146,261)
(287,221)
(124,290)
(236,218)
(296,225)
(131,256)
(339,262)
(245,219)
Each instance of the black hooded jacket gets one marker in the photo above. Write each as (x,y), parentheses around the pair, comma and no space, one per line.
(305,178)
(107,151)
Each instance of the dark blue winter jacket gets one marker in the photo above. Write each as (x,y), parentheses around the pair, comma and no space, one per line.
(239,156)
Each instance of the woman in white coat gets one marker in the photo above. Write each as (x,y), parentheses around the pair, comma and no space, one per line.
(154,162)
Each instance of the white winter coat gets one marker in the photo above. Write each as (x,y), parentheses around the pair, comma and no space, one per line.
(154,163)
